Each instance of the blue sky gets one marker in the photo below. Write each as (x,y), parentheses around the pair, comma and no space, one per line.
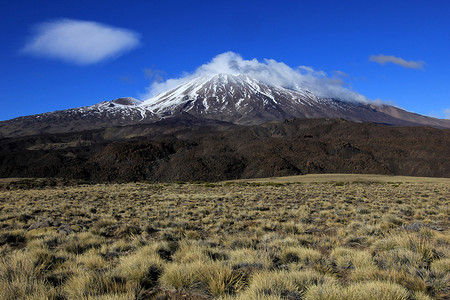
(62,54)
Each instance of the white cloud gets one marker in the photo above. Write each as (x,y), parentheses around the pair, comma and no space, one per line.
(79,42)
(384,59)
(269,72)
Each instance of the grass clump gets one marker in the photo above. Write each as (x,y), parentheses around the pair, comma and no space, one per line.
(300,255)
(142,268)
(376,290)
(373,290)
(20,277)
(214,278)
(93,284)
(286,284)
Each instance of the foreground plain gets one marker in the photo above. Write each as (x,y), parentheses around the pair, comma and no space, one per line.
(370,238)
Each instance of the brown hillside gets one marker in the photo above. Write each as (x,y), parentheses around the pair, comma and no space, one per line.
(188,150)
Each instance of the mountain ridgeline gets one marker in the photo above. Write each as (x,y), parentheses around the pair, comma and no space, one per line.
(224,127)
(237,99)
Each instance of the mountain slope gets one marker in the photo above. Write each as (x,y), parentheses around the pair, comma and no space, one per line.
(195,150)
(241,99)
(237,99)
(118,112)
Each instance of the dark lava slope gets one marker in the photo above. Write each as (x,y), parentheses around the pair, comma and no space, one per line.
(207,150)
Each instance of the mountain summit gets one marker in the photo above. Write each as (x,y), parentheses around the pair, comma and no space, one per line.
(242,99)
(234,98)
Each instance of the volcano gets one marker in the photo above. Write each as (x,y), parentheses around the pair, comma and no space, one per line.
(233,98)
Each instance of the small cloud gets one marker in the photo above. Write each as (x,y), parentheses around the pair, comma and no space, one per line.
(79,42)
(340,73)
(447,113)
(126,79)
(154,75)
(310,70)
(443,114)
(384,59)
(379,101)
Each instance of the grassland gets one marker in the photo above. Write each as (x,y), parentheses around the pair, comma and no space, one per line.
(346,238)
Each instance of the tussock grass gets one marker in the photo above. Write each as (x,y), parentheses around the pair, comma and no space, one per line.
(325,292)
(372,290)
(286,284)
(84,285)
(142,268)
(300,255)
(19,277)
(376,290)
(338,239)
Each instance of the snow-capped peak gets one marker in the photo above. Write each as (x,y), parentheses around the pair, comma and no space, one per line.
(221,89)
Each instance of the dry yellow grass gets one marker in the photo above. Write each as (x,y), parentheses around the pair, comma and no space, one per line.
(329,237)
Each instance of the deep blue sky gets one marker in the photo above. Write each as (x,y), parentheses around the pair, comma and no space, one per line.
(179,36)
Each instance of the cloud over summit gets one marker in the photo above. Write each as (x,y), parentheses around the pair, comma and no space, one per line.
(79,42)
(268,71)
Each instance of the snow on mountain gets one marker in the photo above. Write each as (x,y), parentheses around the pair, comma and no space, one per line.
(223,89)
(235,98)
(244,100)
(118,112)
(122,108)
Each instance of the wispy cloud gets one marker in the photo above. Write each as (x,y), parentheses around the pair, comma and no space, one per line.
(154,75)
(340,73)
(268,71)
(447,113)
(385,59)
(79,42)
(126,79)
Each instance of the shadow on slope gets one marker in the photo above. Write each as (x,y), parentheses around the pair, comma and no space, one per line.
(190,149)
